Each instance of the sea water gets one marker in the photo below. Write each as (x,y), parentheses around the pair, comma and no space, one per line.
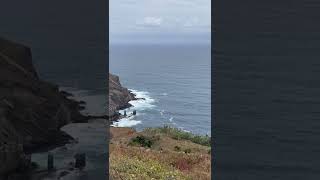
(174,81)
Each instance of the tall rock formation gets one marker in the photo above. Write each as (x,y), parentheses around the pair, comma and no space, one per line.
(119,96)
(31,111)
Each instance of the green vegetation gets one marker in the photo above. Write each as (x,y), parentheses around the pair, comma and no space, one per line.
(142,141)
(177,148)
(168,154)
(187,151)
(125,167)
(179,134)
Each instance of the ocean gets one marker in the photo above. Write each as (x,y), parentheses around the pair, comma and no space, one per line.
(267,107)
(173,79)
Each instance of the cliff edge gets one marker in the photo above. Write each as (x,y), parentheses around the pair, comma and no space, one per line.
(32,111)
(119,96)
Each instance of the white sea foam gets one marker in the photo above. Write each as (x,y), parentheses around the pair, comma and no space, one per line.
(161,112)
(144,102)
(184,129)
(171,119)
(126,122)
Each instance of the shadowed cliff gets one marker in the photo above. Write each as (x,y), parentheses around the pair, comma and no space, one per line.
(32,111)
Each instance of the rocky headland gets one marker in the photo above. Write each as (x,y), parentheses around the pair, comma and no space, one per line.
(32,111)
(119,97)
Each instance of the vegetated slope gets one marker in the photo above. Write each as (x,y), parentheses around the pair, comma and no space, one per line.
(159,153)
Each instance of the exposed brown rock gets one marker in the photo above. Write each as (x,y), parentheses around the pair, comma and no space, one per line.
(119,96)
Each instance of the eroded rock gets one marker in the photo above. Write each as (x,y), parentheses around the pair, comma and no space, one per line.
(32,111)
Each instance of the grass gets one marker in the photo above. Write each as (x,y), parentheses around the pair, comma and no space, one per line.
(179,134)
(136,164)
(158,153)
(131,168)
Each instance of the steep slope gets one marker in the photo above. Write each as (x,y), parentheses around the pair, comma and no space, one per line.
(31,111)
(119,96)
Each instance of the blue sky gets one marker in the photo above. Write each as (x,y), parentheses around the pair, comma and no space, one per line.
(159,20)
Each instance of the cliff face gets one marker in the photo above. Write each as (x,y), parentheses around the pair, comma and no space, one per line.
(31,110)
(118,95)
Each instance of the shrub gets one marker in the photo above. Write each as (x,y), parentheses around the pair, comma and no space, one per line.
(141,141)
(177,148)
(187,151)
(179,134)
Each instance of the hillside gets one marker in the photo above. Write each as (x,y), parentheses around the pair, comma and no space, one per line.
(32,111)
(159,153)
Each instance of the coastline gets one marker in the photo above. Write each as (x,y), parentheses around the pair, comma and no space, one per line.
(32,113)
(88,137)
(156,153)
(119,98)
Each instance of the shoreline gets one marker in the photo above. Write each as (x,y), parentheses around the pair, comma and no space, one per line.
(69,170)
(88,139)
(128,119)
(33,113)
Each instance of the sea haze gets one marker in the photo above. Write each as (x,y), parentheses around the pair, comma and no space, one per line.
(174,79)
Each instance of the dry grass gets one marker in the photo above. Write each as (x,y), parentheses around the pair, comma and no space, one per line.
(162,161)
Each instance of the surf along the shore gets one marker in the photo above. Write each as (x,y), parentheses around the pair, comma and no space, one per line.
(142,102)
(158,152)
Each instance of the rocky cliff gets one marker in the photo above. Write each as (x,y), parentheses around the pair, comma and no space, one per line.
(119,96)
(32,111)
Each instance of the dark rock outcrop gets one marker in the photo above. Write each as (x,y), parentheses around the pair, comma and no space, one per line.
(31,111)
(119,96)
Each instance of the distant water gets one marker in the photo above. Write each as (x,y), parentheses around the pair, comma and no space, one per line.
(175,81)
(267,63)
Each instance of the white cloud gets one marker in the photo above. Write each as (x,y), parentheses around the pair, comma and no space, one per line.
(150,21)
(159,17)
